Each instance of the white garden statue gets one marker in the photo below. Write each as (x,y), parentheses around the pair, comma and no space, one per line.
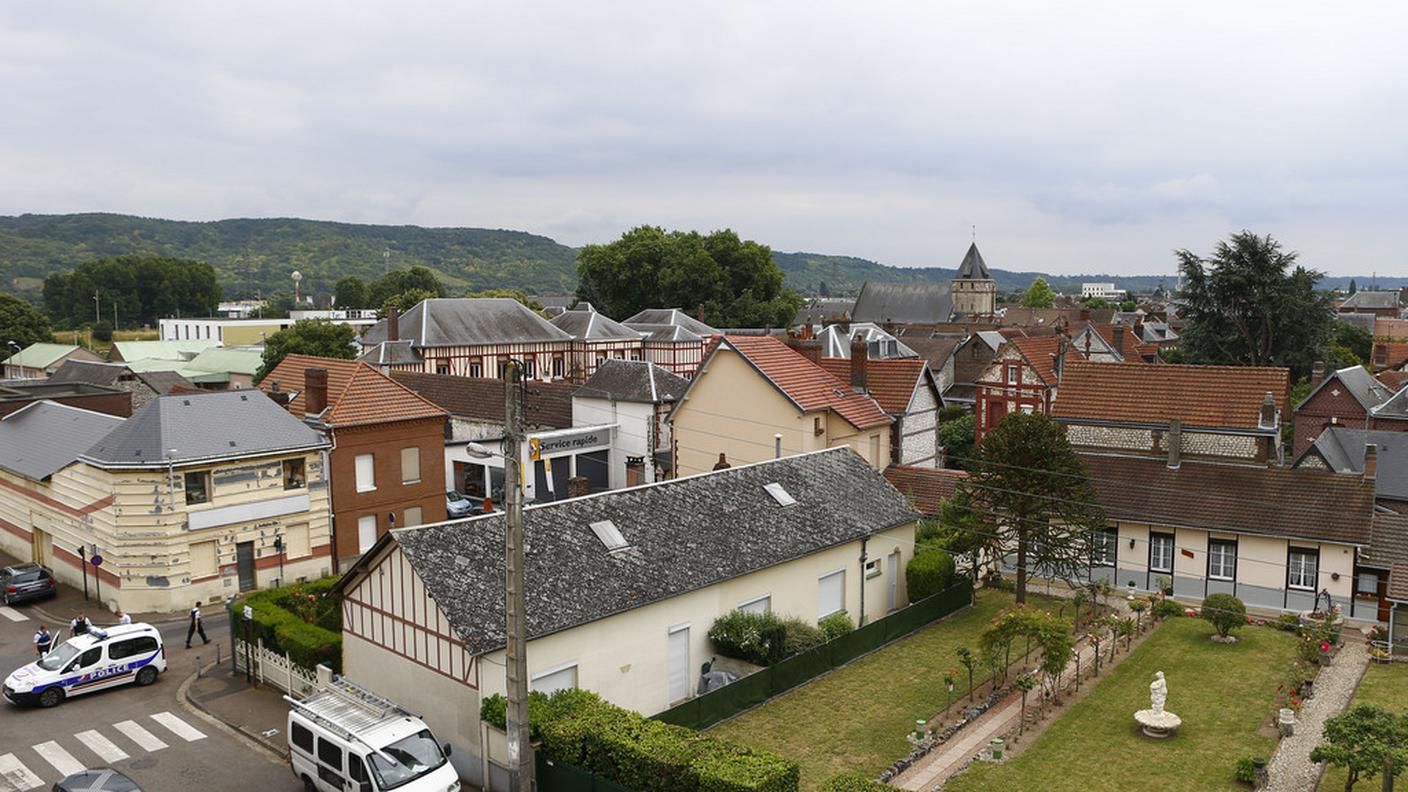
(1156,721)
(1158,693)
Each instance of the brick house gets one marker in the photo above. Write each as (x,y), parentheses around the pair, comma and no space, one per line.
(1022,377)
(1344,398)
(387,463)
(1379,303)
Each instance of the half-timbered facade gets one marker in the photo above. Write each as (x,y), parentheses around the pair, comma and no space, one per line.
(1022,377)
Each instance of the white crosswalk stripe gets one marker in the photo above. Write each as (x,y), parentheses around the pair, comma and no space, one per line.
(62,760)
(12,614)
(106,749)
(15,777)
(178,727)
(144,739)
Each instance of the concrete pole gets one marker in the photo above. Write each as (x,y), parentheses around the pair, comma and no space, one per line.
(520,750)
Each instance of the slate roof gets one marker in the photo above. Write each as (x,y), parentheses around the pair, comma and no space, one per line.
(1371,300)
(1342,450)
(43,438)
(1222,397)
(468,321)
(935,349)
(547,405)
(683,535)
(973,267)
(665,332)
(1388,542)
(588,324)
(1367,321)
(200,427)
(41,355)
(390,353)
(836,341)
(633,381)
(926,488)
(109,374)
(1396,408)
(806,384)
(671,316)
(905,303)
(1300,503)
(358,394)
(1398,583)
(1359,383)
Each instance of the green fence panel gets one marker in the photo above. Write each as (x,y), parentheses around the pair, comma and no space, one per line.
(686,714)
(554,776)
(600,784)
(798,669)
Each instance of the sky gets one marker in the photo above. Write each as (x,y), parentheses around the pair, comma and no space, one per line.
(1070,137)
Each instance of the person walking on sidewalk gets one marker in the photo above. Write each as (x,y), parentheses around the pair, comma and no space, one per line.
(197,626)
(43,640)
(123,618)
(80,625)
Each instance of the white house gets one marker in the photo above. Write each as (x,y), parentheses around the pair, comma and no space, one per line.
(636,397)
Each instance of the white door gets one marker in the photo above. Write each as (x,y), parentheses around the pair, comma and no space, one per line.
(892,571)
(678,672)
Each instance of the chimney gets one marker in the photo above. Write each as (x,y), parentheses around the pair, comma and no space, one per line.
(1380,355)
(808,348)
(1085,314)
(393,323)
(860,356)
(1119,339)
(315,385)
(1267,419)
(1371,462)
(722,464)
(577,487)
(1174,441)
(1317,374)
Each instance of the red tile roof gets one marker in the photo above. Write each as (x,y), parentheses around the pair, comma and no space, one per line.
(1040,352)
(1227,397)
(891,382)
(1395,380)
(358,394)
(804,382)
(926,488)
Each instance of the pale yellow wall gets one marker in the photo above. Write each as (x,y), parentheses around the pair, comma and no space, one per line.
(248,334)
(840,432)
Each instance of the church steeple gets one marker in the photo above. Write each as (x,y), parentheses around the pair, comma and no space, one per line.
(974,291)
(973,266)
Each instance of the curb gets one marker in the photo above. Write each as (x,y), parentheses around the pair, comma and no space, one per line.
(279,752)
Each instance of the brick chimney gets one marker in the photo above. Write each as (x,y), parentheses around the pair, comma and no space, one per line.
(1380,355)
(1317,374)
(1267,420)
(1174,441)
(393,323)
(1371,462)
(1085,314)
(315,396)
(808,348)
(860,357)
(1119,339)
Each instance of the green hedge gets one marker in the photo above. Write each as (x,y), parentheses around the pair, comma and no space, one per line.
(279,623)
(759,638)
(927,573)
(853,782)
(542,708)
(652,756)
(836,625)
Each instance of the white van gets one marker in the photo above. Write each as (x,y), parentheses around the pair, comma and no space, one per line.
(345,737)
(105,657)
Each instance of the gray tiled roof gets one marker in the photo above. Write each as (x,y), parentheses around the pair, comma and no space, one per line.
(665,332)
(109,374)
(973,267)
(202,426)
(905,303)
(633,381)
(45,437)
(388,353)
(1396,407)
(463,321)
(1360,384)
(683,535)
(670,316)
(1371,300)
(588,324)
(1388,541)
(1342,449)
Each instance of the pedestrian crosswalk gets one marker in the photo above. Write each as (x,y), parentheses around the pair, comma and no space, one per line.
(12,614)
(51,760)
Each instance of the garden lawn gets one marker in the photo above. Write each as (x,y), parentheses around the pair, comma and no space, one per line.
(856,717)
(1222,693)
(1387,686)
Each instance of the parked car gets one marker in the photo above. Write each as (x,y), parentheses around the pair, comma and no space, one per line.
(458,505)
(104,657)
(101,779)
(25,582)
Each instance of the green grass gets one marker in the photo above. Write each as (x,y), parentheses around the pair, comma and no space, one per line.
(1222,693)
(1386,686)
(856,718)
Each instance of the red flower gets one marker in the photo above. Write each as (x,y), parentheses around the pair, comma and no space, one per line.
(1324,646)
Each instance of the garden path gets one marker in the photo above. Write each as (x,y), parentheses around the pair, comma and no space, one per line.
(1290,769)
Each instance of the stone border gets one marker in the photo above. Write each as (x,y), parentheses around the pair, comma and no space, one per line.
(931,742)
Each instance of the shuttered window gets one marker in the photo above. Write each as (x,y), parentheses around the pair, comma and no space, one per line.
(831,594)
(366,532)
(759,605)
(410,465)
(366,473)
(562,679)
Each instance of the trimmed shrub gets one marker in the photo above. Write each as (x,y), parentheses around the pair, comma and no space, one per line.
(927,573)
(542,708)
(801,637)
(102,331)
(308,630)
(759,638)
(1166,608)
(836,625)
(1225,611)
(725,767)
(853,782)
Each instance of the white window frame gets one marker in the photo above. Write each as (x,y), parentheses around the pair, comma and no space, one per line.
(766,600)
(1161,537)
(872,568)
(1292,573)
(367,484)
(555,670)
(1225,565)
(822,612)
(1107,548)
(1011,373)
(362,544)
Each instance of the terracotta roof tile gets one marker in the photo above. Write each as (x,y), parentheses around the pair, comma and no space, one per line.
(890,382)
(806,383)
(1395,380)
(1209,396)
(547,405)
(1131,348)
(926,488)
(1398,583)
(358,394)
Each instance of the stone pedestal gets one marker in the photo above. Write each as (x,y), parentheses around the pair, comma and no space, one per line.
(1157,724)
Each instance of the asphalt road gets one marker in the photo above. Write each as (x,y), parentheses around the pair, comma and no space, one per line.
(147,733)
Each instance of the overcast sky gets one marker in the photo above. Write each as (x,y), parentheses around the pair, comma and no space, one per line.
(1077,137)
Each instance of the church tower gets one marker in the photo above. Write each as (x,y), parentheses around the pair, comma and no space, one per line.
(974,290)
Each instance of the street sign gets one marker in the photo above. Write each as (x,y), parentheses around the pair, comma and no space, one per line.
(96,560)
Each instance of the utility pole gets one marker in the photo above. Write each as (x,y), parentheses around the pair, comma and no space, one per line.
(520,751)
(97,309)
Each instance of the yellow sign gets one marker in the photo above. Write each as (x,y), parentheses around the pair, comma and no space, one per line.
(535,448)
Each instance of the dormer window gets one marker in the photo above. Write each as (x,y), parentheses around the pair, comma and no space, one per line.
(1012,373)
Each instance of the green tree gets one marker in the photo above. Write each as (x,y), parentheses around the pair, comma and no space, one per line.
(1039,295)
(307,337)
(279,304)
(1350,344)
(141,288)
(401,281)
(1033,493)
(22,324)
(1095,303)
(1225,612)
(1129,305)
(735,282)
(957,438)
(1251,304)
(1352,287)
(350,292)
(406,300)
(823,290)
(1362,741)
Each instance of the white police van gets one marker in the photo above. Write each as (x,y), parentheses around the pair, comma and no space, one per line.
(103,658)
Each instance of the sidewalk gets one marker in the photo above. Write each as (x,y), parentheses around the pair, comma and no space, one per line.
(59,610)
(258,712)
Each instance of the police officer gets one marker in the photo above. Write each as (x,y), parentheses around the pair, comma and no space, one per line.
(42,641)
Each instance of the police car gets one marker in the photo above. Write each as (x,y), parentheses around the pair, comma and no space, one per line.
(104,658)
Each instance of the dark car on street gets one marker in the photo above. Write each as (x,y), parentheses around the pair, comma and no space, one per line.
(26,582)
(103,779)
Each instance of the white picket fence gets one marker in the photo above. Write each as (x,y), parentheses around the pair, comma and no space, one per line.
(279,670)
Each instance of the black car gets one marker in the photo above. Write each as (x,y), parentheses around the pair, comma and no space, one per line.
(25,582)
(103,779)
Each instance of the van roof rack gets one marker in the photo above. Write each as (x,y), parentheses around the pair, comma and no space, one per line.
(346,708)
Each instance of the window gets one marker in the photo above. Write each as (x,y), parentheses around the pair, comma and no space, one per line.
(202,559)
(1105,546)
(561,679)
(302,737)
(831,593)
(366,473)
(329,754)
(872,568)
(442,366)
(609,534)
(557,367)
(410,465)
(1367,583)
(357,771)
(1303,567)
(530,367)
(366,532)
(476,369)
(293,474)
(780,494)
(132,647)
(197,487)
(412,516)
(90,657)
(762,604)
(635,355)
(1222,560)
(296,541)
(1161,552)
(1012,373)
(1026,409)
